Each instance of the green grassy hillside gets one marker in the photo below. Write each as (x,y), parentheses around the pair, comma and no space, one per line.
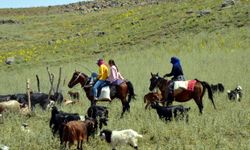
(141,39)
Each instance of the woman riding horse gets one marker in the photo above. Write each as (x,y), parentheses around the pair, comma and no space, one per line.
(177,74)
(184,95)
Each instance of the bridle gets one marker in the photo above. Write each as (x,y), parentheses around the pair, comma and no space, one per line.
(80,74)
(157,82)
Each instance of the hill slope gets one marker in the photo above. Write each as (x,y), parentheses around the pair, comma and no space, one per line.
(62,36)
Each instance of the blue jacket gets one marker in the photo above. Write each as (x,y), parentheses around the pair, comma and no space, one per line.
(176,69)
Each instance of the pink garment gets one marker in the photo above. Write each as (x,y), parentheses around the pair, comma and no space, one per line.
(114,74)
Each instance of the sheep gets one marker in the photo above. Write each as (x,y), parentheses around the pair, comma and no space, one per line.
(11,105)
(127,136)
(170,112)
(78,131)
(235,94)
(153,97)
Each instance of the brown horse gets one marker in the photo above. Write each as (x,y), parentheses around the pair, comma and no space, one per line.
(120,92)
(182,95)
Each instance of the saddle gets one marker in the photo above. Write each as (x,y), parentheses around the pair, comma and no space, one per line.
(186,85)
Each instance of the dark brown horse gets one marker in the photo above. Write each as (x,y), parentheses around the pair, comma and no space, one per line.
(120,92)
(182,95)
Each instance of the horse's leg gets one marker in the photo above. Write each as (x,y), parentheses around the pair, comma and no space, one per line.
(124,107)
(199,103)
(147,104)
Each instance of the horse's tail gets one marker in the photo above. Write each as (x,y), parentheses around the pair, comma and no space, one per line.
(210,93)
(130,91)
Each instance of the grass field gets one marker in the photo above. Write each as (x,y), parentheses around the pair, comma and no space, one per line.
(212,48)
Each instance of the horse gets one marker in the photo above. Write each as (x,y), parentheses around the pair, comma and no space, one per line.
(182,95)
(122,91)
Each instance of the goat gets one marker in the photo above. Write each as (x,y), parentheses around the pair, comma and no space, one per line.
(153,97)
(235,94)
(77,131)
(127,136)
(67,102)
(170,112)
(217,87)
(74,95)
(58,118)
(98,112)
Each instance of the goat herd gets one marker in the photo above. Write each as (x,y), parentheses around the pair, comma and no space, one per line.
(72,127)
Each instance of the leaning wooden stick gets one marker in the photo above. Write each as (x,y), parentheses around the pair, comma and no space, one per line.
(59,79)
(50,80)
(38,83)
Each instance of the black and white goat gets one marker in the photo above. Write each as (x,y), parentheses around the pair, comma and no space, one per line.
(115,138)
(235,94)
(170,112)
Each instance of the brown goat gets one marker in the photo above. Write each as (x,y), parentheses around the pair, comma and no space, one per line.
(74,95)
(78,131)
(153,97)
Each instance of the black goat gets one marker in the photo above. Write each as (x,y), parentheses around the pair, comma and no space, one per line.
(170,112)
(100,113)
(59,119)
(217,88)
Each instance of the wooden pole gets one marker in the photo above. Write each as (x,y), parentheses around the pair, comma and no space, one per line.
(59,79)
(28,93)
(50,79)
(38,83)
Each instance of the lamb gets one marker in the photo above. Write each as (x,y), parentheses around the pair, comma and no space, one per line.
(153,97)
(127,136)
(74,95)
(235,94)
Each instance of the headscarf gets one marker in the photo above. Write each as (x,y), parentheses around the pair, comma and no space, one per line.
(100,62)
(175,60)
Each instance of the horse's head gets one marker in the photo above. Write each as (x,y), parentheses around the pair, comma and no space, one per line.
(154,81)
(77,77)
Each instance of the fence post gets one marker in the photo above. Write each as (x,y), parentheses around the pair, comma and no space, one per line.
(28,93)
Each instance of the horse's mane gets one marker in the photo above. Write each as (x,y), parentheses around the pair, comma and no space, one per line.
(79,72)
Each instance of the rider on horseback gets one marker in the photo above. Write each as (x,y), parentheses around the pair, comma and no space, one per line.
(177,74)
(115,76)
(101,78)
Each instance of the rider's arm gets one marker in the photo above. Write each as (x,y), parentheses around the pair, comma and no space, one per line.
(169,74)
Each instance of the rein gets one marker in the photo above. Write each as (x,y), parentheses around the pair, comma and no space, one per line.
(160,83)
(80,74)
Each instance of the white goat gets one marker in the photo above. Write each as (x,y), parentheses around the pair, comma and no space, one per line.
(127,136)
